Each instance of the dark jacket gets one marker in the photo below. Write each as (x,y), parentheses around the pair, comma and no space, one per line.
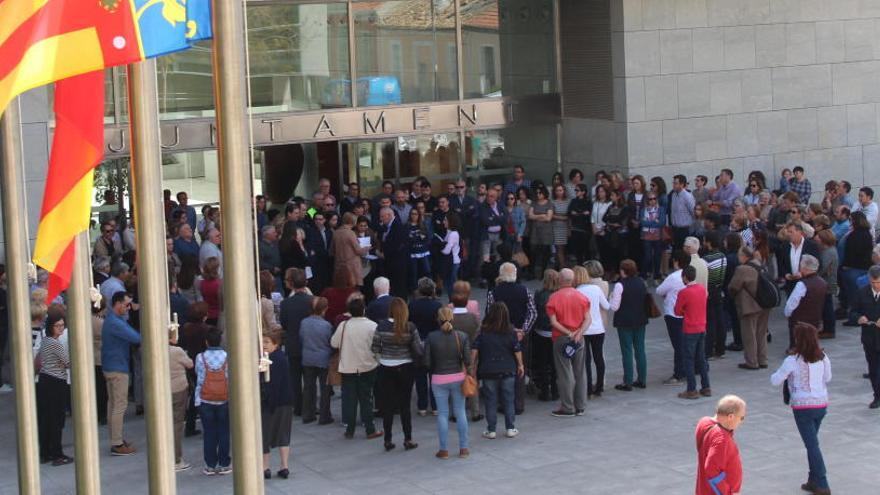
(294,310)
(466,208)
(496,358)
(377,310)
(277,392)
(784,260)
(490,219)
(631,313)
(386,347)
(443,355)
(516,297)
(423,314)
(395,244)
(270,257)
(865,305)
(857,250)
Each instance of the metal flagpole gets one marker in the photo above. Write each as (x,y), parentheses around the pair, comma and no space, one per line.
(149,215)
(15,235)
(82,368)
(236,200)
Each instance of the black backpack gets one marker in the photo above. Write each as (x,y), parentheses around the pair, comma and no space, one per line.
(767,293)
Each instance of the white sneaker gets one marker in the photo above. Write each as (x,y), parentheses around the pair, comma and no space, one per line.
(6,388)
(512,432)
(182,466)
(489,435)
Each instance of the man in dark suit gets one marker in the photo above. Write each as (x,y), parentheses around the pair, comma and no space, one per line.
(395,251)
(294,310)
(466,207)
(377,310)
(867,306)
(789,254)
(319,238)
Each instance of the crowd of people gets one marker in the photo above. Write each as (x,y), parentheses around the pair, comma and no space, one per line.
(374,295)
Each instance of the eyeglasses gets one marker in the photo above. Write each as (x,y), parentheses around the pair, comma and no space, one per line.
(652,199)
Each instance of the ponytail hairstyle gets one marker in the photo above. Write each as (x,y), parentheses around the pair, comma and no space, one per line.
(399,311)
(444,318)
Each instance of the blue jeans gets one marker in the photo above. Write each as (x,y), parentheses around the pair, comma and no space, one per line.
(215,427)
(442,394)
(652,251)
(418,268)
(695,360)
(451,277)
(491,389)
(808,422)
(676,338)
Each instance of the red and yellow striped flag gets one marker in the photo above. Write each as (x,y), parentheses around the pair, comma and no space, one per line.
(71,42)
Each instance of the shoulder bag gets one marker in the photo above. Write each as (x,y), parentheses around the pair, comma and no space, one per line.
(334,377)
(469,385)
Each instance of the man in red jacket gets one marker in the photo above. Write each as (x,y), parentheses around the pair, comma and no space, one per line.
(719,469)
(691,306)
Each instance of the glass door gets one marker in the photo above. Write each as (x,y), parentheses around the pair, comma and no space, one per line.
(369,163)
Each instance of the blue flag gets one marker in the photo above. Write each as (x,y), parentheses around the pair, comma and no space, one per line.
(168,26)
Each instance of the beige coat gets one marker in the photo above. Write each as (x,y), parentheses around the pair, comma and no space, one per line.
(743,286)
(347,253)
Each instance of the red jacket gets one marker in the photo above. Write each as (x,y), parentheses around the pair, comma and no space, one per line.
(691,304)
(719,469)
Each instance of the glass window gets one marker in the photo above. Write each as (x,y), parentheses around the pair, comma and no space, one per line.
(401,51)
(185,83)
(507,48)
(490,151)
(433,155)
(299,58)
(370,162)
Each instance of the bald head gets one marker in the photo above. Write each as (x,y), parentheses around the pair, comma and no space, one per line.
(566,277)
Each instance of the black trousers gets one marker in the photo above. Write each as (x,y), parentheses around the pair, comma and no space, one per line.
(542,368)
(579,245)
(594,345)
(395,384)
(679,234)
(315,379)
(540,259)
(192,412)
(101,394)
(52,399)
(397,278)
(716,333)
(296,383)
(872,356)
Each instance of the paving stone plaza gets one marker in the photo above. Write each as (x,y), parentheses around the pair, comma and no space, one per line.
(638,442)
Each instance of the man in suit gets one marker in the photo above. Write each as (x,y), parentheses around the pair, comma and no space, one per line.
(294,310)
(789,254)
(465,206)
(377,310)
(319,239)
(395,251)
(867,306)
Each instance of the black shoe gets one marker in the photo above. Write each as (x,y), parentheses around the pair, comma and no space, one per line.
(283,474)
(389,446)
(478,417)
(192,433)
(769,337)
(866,376)
(762,366)
(875,404)
(267,474)
(308,421)
(518,412)
(623,387)
(561,413)
(597,393)
(139,411)
(409,445)
(639,384)
(734,347)
(808,487)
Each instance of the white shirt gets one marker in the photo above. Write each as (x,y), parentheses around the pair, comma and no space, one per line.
(452,247)
(871,212)
(598,301)
(794,256)
(599,210)
(806,381)
(669,290)
(794,300)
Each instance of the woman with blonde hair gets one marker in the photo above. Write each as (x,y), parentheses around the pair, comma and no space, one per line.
(447,357)
(594,335)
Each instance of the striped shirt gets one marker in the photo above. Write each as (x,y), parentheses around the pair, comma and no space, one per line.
(716,263)
(54,358)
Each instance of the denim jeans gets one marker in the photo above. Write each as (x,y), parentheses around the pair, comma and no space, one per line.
(418,268)
(215,433)
(451,276)
(676,338)
(491,389)
(651,258)
(695,360)
(442,394)
(632,342)
(808,422)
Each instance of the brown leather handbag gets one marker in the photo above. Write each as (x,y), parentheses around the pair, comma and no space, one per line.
(469,385)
